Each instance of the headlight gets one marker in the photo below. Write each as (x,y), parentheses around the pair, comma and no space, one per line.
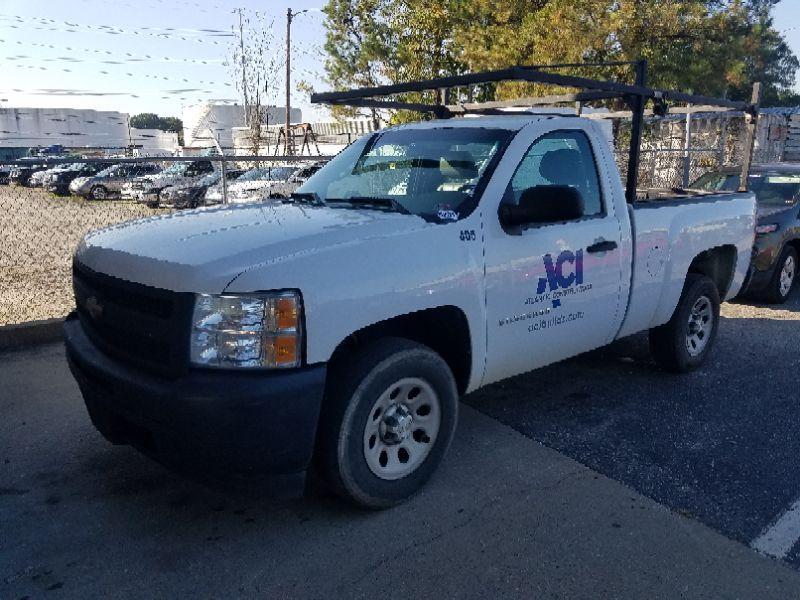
(764,229)
(256,332)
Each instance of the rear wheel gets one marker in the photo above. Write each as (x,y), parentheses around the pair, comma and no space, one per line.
(682,344)
(99,192)
(784,277)
(389,418)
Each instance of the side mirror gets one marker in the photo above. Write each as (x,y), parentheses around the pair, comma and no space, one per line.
(543,204)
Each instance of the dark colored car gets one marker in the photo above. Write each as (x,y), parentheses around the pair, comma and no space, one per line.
(21,173)
(773,270)
(5,174)
(59,181)
(193,194)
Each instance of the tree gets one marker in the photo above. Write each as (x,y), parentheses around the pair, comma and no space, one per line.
(715,47)
(145,121)
(357,46)
(254,64)
(153,121)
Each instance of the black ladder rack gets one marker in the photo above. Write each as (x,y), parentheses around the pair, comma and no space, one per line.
(636,96)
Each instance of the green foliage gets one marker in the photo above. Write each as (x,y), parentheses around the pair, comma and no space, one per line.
(145,121)
(153,121)
(715,47)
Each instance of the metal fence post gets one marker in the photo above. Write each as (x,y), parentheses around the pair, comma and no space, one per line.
(750,143)
(224,181)
(687,151)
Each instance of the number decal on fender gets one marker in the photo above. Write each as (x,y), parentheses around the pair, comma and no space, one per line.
(467,235)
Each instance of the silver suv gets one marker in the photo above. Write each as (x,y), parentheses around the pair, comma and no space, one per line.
(109,182)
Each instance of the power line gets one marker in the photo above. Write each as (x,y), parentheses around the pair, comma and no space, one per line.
(126,57)
(114,28)
(109,30)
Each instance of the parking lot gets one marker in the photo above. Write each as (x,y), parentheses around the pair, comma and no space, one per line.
(599,476)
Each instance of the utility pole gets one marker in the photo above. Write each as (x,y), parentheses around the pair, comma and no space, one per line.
(244,62)
(288,145)
(288,139)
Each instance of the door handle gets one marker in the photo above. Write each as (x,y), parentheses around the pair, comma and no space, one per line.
(602,246)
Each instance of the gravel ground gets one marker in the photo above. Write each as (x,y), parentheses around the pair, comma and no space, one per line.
(38,233)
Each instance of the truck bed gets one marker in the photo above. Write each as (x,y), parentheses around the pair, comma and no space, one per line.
(670,231)
(650,195)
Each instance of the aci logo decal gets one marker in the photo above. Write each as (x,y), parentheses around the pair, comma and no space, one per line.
(558,278)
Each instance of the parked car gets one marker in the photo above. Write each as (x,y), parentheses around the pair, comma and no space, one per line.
(37,179)
(256,183)
(22,172)
(773,269)
(108,182)
(149,189)
(192,194)
(60,180)
(336,332)
(5,174)
(284,189)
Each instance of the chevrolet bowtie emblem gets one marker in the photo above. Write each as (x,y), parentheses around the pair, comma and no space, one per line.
(93,307)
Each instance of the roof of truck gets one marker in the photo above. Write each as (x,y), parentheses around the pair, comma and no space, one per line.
(513,121)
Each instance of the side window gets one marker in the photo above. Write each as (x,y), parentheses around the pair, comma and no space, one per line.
(561,158)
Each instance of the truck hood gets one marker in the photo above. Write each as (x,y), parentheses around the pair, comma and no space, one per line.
(204,250)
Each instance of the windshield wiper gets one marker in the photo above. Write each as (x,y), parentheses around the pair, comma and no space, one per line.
(374,202)
(307,198)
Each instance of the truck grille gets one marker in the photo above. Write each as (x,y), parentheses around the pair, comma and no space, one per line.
(143,325)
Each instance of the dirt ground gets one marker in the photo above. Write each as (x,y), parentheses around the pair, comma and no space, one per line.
(38,234)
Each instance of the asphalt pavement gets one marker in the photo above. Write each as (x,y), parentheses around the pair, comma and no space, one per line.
(598,477)
(718,445)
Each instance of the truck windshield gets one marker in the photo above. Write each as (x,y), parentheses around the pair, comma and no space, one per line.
(434,173)
(771,188)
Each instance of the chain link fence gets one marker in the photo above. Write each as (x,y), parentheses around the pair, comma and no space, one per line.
(678,149)
(47,206)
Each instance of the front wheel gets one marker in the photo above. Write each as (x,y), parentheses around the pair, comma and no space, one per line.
(784,276)
(389,418)
(682,344)
(99,193)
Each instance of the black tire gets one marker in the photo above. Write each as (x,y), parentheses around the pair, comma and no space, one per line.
(774,293)
(98,192)
(352,391)
(669,343)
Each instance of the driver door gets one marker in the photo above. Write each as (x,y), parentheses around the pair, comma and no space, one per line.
(553,290)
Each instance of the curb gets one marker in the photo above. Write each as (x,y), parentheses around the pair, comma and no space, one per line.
(32,333)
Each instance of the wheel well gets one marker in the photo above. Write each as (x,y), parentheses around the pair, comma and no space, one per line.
(794,244)
(718,264)
(443,329)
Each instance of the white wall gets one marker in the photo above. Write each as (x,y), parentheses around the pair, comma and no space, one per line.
(154,141)
(200,120)
(71,127)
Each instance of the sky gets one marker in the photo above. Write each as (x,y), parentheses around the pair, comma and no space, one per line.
(159,55)
(787,21)
(142,55)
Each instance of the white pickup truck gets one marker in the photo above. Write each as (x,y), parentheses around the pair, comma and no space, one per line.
(334,333)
